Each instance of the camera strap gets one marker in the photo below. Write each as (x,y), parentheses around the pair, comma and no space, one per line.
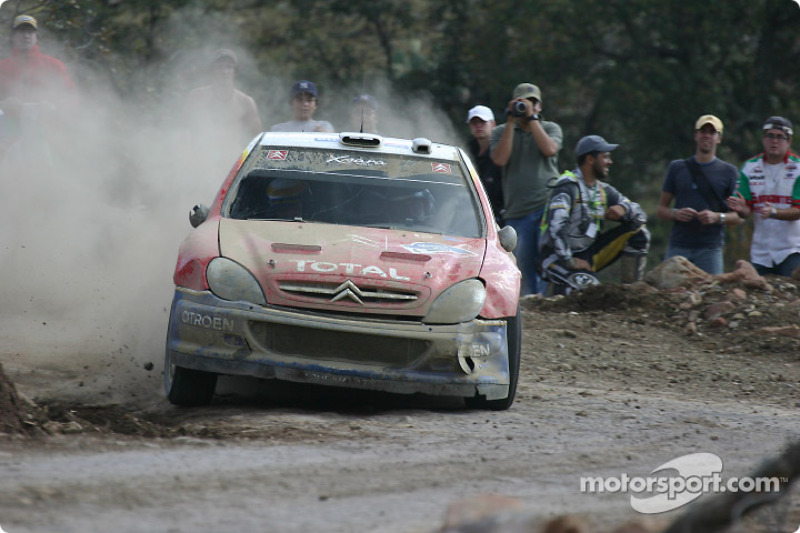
(712,198)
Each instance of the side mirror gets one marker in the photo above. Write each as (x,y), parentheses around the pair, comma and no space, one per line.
(508,238)
(199,213)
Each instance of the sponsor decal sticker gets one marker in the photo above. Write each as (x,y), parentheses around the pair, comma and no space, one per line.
(207,321)
(277,155)
(350,269)
(358,161)
(435,248)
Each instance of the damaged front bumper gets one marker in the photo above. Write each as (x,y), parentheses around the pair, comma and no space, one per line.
(399,356)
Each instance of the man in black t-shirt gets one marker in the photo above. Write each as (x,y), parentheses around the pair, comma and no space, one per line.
(700,187)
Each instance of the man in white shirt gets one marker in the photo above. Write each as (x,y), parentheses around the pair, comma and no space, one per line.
(304,100)
(769,186)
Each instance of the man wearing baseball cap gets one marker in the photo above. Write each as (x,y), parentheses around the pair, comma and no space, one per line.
(526,148)
(221,107)
(303,101)
(700,186)
(364,113)
(574,234)
(220,118)
(481,122)
(30,77)
(769,186)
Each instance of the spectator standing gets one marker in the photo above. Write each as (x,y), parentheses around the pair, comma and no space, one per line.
(37,96)
(303,101)
(573,236)
(769,186)
(700,187)
(526,148)
(364,114)
(220,109)
(481,123)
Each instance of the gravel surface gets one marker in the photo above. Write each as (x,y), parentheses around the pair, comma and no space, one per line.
(614,380)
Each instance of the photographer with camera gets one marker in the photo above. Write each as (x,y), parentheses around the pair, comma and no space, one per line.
(526,148)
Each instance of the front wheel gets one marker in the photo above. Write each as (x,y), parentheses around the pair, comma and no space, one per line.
(187,387)
(514,340)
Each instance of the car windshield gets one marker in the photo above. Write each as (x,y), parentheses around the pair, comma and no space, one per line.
(355,188)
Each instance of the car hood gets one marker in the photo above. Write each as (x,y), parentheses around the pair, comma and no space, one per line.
(348,268)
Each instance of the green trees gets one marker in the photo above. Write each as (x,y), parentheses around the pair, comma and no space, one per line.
(638,72)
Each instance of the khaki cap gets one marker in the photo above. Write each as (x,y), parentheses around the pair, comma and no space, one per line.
(708,119)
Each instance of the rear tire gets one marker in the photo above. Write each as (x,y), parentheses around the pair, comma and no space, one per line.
(514,337)
(187,387)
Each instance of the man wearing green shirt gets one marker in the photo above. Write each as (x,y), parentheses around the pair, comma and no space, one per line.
(526,148)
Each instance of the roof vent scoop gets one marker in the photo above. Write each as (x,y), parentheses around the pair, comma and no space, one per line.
(421,146)
(365,140)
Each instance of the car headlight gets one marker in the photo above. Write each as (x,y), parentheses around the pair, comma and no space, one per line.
(231,281)
(460,303)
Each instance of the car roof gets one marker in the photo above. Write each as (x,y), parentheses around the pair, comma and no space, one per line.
(367,142)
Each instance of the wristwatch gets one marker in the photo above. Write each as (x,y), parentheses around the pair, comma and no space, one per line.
(773,213)
(533,117)
(722,218)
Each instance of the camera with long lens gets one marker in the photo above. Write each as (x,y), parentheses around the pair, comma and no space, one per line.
(518,109)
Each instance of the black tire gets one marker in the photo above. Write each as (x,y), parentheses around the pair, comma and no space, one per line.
(514,336)
(187,387)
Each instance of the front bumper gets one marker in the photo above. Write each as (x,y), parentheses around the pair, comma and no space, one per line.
(214,335)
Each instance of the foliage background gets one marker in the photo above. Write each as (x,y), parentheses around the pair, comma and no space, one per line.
(638,72)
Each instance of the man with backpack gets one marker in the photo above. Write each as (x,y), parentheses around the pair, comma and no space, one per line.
(588,224)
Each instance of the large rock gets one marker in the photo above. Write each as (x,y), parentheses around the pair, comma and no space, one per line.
(745,272)
(676,272)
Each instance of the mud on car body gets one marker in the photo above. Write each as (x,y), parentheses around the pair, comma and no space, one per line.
(349,260)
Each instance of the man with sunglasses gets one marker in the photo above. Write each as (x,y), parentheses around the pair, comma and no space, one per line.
(526,148)
(769,186)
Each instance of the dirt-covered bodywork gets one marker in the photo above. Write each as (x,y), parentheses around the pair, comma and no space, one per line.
(349,260)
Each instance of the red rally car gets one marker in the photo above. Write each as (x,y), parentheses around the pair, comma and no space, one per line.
(348,260)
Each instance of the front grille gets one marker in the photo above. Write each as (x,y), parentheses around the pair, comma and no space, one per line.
(348,292)
(311,343)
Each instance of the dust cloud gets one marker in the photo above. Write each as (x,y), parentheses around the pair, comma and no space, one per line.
(95,207)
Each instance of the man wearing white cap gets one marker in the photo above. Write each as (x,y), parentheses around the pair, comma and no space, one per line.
(575,237)
(481,122)
(700,187)
(29,78)
(770,187)
(526,148)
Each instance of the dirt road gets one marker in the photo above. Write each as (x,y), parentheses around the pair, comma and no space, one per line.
(613,382)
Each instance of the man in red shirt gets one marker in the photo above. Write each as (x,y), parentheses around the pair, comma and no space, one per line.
(35,89)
